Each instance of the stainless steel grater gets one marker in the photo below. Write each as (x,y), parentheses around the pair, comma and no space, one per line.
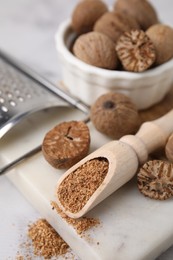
(23,92)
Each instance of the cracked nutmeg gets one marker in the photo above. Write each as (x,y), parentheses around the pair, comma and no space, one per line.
(155,179)
(136,51)
(66,144)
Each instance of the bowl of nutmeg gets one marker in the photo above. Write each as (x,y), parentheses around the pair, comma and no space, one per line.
(126,50)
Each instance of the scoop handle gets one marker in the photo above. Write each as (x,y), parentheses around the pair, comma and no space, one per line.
(154,134)
(151,136)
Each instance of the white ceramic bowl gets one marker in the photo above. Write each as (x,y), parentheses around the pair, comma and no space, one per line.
(88,82)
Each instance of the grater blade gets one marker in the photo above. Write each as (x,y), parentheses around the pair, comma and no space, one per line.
(23,92)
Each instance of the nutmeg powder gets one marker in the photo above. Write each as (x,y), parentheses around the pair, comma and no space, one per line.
(46,241)
(80,224)
(77,188)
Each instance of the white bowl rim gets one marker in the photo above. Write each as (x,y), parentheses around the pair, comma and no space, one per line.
(60,44)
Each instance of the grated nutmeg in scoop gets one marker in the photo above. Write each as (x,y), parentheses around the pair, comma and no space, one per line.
(155,179)
(78,187)
(135,51)
(66,144)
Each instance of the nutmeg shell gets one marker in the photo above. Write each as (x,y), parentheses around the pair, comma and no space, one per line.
(113,24)
(162,37)
(115,115)
(141,10)
(96,49)
(86,14)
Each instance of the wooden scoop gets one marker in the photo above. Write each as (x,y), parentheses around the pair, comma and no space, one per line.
(124,157)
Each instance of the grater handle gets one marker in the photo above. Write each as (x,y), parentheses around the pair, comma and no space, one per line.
(19,160)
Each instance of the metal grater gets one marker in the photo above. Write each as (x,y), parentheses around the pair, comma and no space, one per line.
(23,92)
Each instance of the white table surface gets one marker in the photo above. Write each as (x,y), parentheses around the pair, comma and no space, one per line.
(27,29)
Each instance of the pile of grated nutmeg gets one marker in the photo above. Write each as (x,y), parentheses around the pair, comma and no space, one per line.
(46,241)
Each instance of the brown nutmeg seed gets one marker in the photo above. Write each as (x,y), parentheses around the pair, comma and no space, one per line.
(113,24)
(86,14)
(169,148)
(115,115)
(162,37)
(155,180)
(66,144)
(96,49)
(141,10)
(136,51)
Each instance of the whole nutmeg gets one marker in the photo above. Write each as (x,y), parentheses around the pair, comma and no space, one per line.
(86,14)
(96,49)
(115,115)
(141,10)
(169,148)
(162,37)
(113,24)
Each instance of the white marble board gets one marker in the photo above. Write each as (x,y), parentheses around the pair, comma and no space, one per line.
(132,227)
(27,30)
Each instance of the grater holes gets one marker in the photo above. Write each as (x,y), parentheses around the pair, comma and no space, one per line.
(17,91)
(2,100)
(28,95)
(20,98)
(14,85)
(4,109)
(12,103)
(9,95)
(4,117)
